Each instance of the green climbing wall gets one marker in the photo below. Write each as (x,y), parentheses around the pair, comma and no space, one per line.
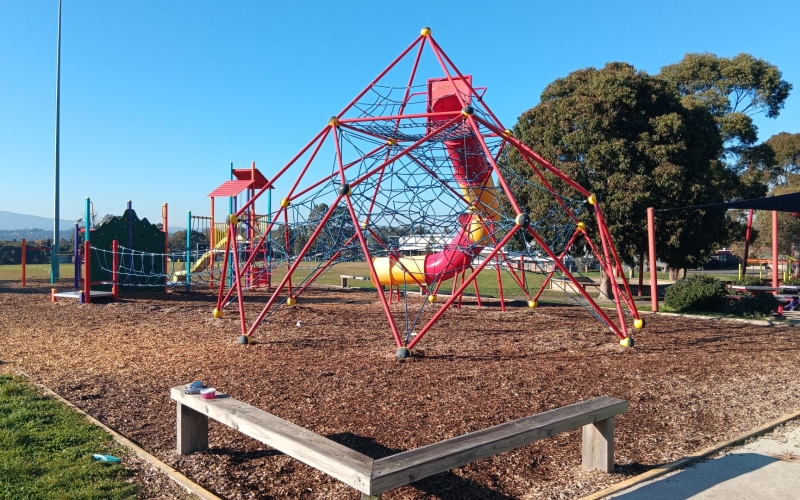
(147,269)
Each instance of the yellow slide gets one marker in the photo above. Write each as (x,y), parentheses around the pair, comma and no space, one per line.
(202,263)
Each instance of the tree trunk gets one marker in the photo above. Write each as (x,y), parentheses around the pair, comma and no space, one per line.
(605,294)
(674,274)
(640,292)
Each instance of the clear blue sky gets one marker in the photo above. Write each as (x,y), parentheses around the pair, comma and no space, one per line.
(157,97)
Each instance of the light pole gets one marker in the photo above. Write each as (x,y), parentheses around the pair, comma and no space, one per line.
(54,264)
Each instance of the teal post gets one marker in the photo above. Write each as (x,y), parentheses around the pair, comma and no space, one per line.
(235,242)
(87,219)
(188,250)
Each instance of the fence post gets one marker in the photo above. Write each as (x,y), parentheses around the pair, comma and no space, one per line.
(188,250)
(24,257)
(115,269)
(77,257)
(86,272)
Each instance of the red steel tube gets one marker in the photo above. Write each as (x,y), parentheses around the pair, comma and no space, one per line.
(86,274)
(775,263)
(463,287)
(24,259)
(115,269)
(747,241)
(298,260)
(578,286)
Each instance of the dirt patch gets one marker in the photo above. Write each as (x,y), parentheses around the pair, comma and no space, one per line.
(690,384)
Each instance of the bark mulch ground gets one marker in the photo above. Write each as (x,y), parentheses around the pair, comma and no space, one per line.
(690,384)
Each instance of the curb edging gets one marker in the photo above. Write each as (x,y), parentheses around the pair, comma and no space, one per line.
(689,459)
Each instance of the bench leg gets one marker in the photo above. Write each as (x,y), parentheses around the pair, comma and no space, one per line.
(344,282)
(192,430)
(364,496)
(598,445)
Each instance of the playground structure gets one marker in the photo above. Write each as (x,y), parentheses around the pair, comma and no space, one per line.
(407,160)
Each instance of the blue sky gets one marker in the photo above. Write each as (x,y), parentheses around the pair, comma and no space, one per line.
(157,97)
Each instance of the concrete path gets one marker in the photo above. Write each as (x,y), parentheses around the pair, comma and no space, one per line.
(767,468)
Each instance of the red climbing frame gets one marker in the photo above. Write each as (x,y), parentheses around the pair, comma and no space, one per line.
(449,105)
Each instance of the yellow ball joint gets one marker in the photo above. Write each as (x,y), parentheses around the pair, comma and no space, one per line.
(523,220)
(626,342)
(291,301)
(532,304)
(245,339)
(333,121)
(467,111)
(425,31)
(432,298)
(233,220)
(343,190)
(592,199)
(581,226)
(285,202)
(638,323)
(507,133)
(217,313)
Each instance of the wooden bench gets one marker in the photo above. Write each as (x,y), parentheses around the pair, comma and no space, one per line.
(566,285)
(373,477)
(345,277)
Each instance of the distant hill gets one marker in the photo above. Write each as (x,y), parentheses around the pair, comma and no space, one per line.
(11,221)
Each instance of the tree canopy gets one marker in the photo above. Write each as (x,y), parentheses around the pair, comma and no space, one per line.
(786,149)
(626,136)
(733,90)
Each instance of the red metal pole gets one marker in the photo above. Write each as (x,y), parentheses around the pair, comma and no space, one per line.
(463,287)
(87,249)
(373,272)
(651,242)
(24,259)
(747,241)
(114,269)
(224,271)
(540,241)
(775,274)
(237,279)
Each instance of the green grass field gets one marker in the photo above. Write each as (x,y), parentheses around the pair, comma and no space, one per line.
(46,450)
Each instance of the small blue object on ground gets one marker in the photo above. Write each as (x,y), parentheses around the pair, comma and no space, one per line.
(106,458)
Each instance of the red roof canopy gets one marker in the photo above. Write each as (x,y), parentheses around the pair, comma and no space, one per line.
(230,188)
(247,174)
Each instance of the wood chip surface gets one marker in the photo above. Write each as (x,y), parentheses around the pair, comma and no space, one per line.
(690,384)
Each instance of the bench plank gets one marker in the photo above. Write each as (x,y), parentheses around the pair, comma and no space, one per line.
(332,458)
(407,467)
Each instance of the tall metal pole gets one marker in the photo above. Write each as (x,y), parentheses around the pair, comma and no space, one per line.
(54,261)
(651,240)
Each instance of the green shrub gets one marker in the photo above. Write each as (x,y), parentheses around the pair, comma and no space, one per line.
(696,293)
(756,306)
(795,281)
(748,280)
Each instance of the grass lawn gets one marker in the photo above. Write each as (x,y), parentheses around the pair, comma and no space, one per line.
(34,272)
(46,450)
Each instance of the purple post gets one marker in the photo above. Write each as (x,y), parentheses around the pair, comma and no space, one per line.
(77,257)
(130,238)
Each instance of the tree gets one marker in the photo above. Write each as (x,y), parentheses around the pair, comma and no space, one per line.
(733,90)
(788,226)
(786,149)
(626,137)
(177,241)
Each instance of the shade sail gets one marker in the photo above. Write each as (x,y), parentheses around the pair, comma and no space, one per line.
(781,203)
